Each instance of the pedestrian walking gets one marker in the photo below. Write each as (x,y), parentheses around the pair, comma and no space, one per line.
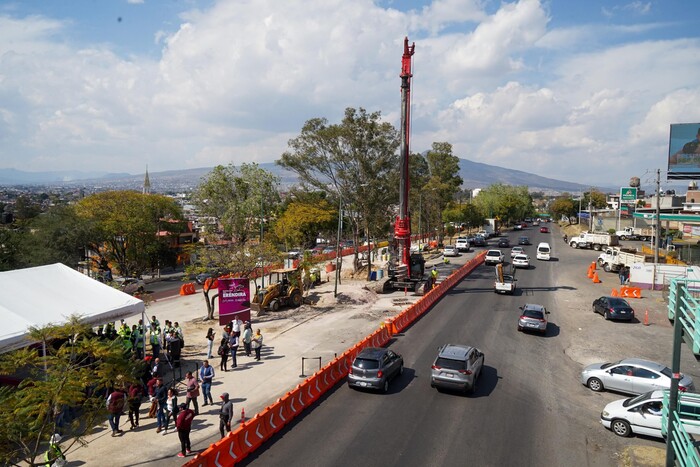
(223,353)
(171,408)
(225,414)
(192,386)
(621,275)
(115,406)
(206,375)
(247,338)
(257,343)
(161,396)
(210,341)
(54,457)
(183,423)
(233,348)
(134,395)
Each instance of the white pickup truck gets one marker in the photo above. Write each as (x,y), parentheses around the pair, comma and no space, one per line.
(505,283)
(613,259)
(597,241)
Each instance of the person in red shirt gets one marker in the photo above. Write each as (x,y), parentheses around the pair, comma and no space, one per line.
(183,422)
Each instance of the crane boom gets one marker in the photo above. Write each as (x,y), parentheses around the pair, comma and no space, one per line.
(402,229)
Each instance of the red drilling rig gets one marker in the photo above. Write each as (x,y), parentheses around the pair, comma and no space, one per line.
(405,270)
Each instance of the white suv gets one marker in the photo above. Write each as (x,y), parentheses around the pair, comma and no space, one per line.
(494,257)
(462,244)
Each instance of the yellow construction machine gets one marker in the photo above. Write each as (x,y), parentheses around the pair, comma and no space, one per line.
(285,289)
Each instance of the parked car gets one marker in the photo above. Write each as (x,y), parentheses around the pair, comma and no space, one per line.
(632,376)
(462,244)
(374,367)
(523,240)
(544,229)
(516,250)
(131,285)
(521,261)
(450,250)
(456,367)
(613,308)
(202,278)
(503,242)
(494,257)
(642,415)
(533,318)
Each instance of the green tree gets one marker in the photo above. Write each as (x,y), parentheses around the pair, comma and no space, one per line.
(125,227)
(506,202)
(238,199)
(353,160)
(563,207)
(11,249)
(76,372)
(300,222)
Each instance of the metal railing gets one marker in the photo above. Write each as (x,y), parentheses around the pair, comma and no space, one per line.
(687,413)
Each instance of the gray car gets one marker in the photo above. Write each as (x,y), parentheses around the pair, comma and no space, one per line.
(374,367)
(631,376)
(533,318)
(456,367)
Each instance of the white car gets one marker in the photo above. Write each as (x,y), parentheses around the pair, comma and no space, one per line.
(642,414)
(450,250)
(462,244)
(521,261)
(517,250)
(494,257)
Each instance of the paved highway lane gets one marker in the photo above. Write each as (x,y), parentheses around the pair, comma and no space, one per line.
(520,414)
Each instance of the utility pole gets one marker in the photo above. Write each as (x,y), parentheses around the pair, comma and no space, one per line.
(657,222)
(338,251)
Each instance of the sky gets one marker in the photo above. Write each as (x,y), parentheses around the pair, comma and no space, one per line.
(581,91)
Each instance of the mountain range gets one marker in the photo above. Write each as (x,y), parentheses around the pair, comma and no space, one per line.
(474,174)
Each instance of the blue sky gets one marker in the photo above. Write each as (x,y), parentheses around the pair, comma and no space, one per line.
(582,91)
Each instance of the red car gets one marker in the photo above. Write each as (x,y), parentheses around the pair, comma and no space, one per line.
(544,229)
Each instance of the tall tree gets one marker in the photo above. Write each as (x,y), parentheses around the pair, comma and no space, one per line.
(506,202)
(238,199)
(125,226)
(76,372)
(352,160)
(300,223)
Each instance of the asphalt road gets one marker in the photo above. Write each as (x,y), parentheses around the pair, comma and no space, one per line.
(521,413)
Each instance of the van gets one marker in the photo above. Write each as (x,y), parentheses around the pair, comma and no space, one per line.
(543,251)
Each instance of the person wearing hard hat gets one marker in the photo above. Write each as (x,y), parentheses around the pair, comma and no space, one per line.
(54,456)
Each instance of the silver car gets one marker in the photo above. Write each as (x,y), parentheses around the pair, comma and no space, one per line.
(374,367)
(632,376)
(533,318)
(456,367)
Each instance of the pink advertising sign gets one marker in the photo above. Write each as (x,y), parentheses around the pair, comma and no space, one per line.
(234,300)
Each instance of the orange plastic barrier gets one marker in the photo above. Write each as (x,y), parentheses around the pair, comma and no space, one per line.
(624,291)
(614,293)
(187,289)
(210,284)
(255,431)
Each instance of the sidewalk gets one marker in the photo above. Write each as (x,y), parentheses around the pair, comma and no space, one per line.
(325,329)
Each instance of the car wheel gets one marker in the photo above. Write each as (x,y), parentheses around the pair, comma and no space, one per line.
(594,384)
(275,305)
(607,268)
(520,329)
(621,428)
(594,310)
(385,388)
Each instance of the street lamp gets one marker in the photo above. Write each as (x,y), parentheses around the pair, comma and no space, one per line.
(337,245)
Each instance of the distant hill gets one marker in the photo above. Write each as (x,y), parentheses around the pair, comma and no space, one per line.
(474,174)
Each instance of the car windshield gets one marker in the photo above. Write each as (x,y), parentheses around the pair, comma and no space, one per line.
(667,373)
(449,363)
(493,253)
(618,302)
(366,363)
(528,313)
(639,398)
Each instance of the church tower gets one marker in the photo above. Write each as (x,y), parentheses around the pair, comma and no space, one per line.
(146,184)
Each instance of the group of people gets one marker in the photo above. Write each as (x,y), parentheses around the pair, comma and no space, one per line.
(235,333)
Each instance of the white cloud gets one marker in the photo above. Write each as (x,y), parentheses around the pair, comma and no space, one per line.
(235,82)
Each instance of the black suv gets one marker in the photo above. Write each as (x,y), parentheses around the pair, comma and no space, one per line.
(374,367)
(503,242)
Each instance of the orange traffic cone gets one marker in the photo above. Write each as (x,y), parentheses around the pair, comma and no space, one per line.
(594,265)
(596,279)
(646,318)
(590,272)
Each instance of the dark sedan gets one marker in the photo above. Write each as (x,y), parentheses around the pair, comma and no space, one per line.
(374,367)
(523,241)
(613,308)
(503,242)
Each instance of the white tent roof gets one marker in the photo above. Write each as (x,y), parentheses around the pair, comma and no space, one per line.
(50,294)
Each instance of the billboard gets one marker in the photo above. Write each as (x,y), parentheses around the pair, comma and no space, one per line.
(234,300)
(684,152)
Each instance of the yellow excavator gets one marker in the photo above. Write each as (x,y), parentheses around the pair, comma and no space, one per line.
(285,289)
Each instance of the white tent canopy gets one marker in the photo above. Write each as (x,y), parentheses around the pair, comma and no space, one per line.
(50,295)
